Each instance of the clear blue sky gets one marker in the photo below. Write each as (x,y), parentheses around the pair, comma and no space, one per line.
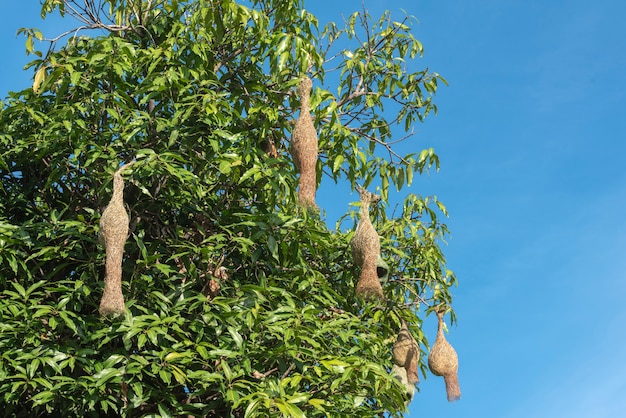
(532,137)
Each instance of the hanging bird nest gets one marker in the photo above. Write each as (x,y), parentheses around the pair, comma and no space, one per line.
(406,353)
(114,231)
(304,148)
(366,249)
(443,361)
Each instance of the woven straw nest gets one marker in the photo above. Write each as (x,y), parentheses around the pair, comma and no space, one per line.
(304,148)
(114,231)
(406,353)
(443,361)
(366,249)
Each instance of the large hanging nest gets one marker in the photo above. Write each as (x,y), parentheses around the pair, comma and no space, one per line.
(304,148)
(366,249)
(406,353)
(114,231)
(443,361)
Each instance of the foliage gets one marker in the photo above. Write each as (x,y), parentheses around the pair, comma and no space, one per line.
(194,91)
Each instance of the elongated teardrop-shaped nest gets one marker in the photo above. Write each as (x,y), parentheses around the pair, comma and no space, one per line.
(443,361)
(406,353)
(304,148)
(114,230)
(366,248)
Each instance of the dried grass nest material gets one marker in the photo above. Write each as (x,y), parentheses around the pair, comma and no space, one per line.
(406,353)
(366,248)
(304,148)
(443,361)
(114,231)
(213,286)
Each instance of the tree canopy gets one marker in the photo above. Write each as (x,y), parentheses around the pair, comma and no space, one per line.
(238,300)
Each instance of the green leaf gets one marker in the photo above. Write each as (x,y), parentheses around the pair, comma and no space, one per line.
(104,375)
(165,375)
(65,316)
(29,44)
(337,163)
(20,289)
(227,371)
(42,398)
(251,409)
(164,411)
(178,374)
(358,400)
(273,247)
(225,167)
(39,78)
(236,337)
(317,404)
(174,356)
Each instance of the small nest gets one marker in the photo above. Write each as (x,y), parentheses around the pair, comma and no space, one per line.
(406,353)
(213,286)
(114,231)
(269,148)
(304,148)
(366,249)
(443,361)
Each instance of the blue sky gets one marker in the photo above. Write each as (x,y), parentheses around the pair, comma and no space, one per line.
(531,135)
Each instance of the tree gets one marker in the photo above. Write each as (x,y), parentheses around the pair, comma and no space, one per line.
(238,301)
